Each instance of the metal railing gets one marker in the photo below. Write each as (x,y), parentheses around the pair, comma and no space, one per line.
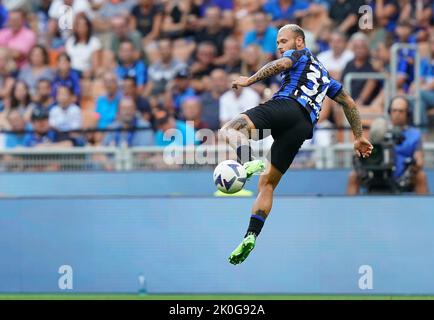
(161,158)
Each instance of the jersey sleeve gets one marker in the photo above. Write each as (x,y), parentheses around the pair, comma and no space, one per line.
(334,88)
(294,55)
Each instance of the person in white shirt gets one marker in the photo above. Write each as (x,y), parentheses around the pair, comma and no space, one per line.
(233,102)
(336,58)
(83,47)
(65,115)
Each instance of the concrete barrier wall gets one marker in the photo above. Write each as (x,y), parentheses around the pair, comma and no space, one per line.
(181,245)
(192,183)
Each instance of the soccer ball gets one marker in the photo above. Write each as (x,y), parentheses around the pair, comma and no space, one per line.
(230,176)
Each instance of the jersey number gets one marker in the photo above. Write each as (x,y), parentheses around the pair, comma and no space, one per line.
(314,76)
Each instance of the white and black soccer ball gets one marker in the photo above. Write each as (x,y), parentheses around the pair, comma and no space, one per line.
(230,176)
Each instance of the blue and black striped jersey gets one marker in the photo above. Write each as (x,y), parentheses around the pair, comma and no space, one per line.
(307,81)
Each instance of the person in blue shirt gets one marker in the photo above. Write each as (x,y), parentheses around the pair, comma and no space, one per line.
(410,147)
(3,16)
(289,116)
(107,105)
(285,11)
(66,76)
(130,66)
(130,129)
(427,87)
(171,131)
(263,34)
(18,125)
(406,57)
(180,89)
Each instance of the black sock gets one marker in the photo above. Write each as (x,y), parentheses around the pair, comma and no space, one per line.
(244,153)
(257,221)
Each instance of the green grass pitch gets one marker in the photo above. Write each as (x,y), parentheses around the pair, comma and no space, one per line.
(204,297)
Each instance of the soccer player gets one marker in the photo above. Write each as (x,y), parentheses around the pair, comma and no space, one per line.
(291,115)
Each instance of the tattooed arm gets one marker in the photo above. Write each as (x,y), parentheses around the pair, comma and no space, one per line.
(351,112)
(361,145)
(270,69)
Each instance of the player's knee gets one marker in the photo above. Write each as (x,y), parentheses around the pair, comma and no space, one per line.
(266,185)
(353,178)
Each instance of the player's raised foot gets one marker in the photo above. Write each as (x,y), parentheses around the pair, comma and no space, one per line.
(243,250)
(254,167)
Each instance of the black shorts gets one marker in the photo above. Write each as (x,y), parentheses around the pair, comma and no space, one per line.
(290,126)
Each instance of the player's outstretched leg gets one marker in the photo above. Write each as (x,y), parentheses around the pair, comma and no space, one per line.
(237,133)
(261,208)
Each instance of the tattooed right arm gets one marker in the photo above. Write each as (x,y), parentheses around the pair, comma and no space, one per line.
(270,69)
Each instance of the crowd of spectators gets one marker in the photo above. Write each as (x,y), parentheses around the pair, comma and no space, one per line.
(133,68)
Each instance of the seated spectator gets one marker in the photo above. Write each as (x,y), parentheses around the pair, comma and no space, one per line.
(121,32)
(171,131)
(44,136)
(211,98)
(410,147)
(228,18)
(56,11)
(7,71)
(192,113)
(129,66)
(420,14)
(66,76)
(264,35)
(204,62)
(285,11)
(42,98)
(130,90)
(18,125)
(17,38)
(336,58)
(252,59)
(178,90)
(175,19)
(65,115)
(233,102)
(213,31)
(147,19)
(110,9)
(406,57)
(107,105)
(230,61)
(38,68)
(20,101)
(128,127)
(163,71)
(386,13)
(362,91)
(344,14)
(84,48)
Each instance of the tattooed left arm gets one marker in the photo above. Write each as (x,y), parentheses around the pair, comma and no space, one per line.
(362,146)
(351,112)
